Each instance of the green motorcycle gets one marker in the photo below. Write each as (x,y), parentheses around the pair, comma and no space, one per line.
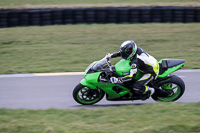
(96,82)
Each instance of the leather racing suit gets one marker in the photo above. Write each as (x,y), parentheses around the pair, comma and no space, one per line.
(145,63)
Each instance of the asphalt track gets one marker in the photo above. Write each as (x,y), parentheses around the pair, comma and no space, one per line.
(44,91)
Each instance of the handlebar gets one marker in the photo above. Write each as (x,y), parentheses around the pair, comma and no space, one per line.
(109,64)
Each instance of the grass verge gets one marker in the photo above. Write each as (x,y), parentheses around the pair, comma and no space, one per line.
(93,3)
(73,47)
(148,118)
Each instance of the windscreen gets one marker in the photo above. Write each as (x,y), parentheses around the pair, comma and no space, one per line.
(100,64)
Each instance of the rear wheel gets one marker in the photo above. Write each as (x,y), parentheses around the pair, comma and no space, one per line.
(175,88)
(86,96)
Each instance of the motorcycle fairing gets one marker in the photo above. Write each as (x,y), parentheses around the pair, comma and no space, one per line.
(107,88)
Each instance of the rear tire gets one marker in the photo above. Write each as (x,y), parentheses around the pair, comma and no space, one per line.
(86,96)
(175,86)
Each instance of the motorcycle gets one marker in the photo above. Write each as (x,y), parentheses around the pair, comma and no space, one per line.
(96,82)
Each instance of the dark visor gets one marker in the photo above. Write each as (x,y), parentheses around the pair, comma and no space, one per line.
(126,53)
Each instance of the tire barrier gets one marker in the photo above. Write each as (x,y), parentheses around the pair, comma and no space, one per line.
(102,15)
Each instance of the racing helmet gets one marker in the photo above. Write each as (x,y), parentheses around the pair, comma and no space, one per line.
(128,49)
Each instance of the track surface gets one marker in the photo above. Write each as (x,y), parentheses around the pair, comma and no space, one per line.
(55,91)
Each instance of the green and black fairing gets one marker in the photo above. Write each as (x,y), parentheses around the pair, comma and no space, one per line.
(94,71)
(91,79)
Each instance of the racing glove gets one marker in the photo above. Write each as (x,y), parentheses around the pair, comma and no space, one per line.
(108,56)
(115,80)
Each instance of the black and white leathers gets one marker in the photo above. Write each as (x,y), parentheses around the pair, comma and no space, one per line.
(142,61)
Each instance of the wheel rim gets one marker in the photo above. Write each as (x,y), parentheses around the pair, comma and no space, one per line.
(173,88)
(89,96)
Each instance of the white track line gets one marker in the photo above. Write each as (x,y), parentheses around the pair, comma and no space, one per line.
(71,73)
(15,75)
(182,76)
(39,74)
(189,70)
(58,74)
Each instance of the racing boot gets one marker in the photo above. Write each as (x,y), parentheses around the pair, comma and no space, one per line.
(147,93)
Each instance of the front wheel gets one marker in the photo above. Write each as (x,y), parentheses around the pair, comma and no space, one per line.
(175,88)
(86,96)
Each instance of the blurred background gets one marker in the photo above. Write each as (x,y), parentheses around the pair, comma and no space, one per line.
(61,36)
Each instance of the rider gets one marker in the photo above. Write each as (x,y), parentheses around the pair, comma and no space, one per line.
(140,61)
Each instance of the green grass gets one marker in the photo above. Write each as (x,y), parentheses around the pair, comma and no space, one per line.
(93,3)
(73,47)
(149,118)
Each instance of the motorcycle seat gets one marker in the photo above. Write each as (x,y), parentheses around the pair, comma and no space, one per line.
(168,63)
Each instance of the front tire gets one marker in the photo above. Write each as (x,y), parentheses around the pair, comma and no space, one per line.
(175,86)
(86,96)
